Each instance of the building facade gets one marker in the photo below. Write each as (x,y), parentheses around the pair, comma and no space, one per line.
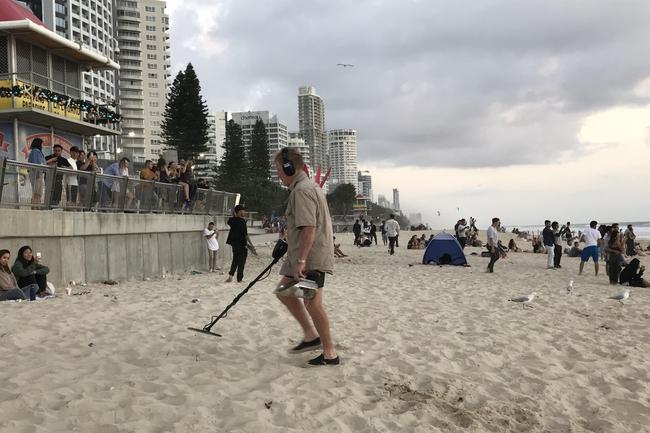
(276,131)
(365,184)
(143,38)
(383,201)
(342,145)
(311,124)
(41,77)
(296,141)
(89,23)
(396,205)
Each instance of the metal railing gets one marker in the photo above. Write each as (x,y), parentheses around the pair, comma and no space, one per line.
(25,185)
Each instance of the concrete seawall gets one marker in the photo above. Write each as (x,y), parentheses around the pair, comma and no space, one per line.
(95,247)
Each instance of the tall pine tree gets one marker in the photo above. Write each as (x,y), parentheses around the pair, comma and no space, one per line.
(258,154)
(185,123)
(232,171)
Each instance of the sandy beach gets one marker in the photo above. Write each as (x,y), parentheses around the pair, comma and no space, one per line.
(424,349)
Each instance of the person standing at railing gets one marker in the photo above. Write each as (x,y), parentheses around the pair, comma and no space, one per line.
(184,180)
(88,195)
(118,168)
(71,181)
(36,174)
(145,191)
(56,159)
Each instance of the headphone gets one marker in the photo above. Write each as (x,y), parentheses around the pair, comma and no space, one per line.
(287,166)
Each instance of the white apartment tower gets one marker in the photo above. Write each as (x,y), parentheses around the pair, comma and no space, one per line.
(342,144)
(216,137)
(296,141)
(311,123)
(89,23)
(365,184)
(143,36)
(276,131)
(396,205)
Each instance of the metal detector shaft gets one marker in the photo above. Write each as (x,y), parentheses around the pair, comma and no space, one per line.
(207,328)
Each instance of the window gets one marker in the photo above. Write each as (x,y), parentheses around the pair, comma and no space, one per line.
(153,94)
(153,85)
(151,47)
(155,122)
(154,76)
(153,104)
(150,18)
(151,37)
(152,66)
(150,28)
(149,9)
(152,56)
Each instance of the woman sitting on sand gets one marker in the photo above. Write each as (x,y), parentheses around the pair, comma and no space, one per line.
(413,243)
(632,274)
(538,245)
(337,249)
(28,270)
(512,246)
(9,290)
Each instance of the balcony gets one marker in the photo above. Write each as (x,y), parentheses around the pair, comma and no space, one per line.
(130,75)
(54,104)
(128,25)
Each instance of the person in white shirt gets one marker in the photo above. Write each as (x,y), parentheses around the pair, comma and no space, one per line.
(211,236)
(590,237)
(492,243)
(461,228)
(392,230)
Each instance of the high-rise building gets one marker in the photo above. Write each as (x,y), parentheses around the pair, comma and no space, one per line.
(342,144)
(296,141)
(143,36)
(365,184)
(383,201)
(276,131)
(311,123)
(396,199)
(90,24)
(216,136)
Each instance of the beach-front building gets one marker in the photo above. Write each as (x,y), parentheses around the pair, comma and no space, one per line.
(41,87)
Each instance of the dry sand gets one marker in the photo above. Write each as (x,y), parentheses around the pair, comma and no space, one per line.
(424,349)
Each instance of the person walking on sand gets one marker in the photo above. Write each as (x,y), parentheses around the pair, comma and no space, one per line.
(392,231)
(549,244)
(239,242)
(384,237)
(356,229)
(310,255)
(211,236)
(493,243)
(590,237)
(557,235)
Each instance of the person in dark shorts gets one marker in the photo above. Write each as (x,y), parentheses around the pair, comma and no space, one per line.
(309,257)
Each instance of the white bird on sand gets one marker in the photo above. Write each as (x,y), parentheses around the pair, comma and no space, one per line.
(525,299)
(620,297)
(569,288)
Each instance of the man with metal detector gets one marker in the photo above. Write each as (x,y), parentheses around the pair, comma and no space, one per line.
(310,256)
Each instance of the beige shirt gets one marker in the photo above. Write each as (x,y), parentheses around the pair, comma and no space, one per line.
(307,207)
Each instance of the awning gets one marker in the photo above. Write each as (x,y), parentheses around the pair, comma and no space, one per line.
(44,118)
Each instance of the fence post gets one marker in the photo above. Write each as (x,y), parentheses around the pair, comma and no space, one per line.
(151,196)
(2,176)
(123,194)
(91,193)
(49,186)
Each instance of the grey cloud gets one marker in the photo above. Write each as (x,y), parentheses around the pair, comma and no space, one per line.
(435,83)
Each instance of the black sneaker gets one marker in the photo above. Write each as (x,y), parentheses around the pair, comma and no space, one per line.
(321,360)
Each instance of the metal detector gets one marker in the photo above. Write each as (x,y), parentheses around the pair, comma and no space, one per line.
(278,252)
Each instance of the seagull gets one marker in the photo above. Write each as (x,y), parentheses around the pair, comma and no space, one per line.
(525,299)
(569,289)
(620,297)
(345,65)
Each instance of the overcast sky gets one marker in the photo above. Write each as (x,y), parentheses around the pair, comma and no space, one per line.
(525,110)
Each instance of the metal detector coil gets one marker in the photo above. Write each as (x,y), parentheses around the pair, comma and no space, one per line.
(279,251)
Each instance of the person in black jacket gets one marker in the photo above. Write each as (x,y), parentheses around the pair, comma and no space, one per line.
(356,229)
(239,242)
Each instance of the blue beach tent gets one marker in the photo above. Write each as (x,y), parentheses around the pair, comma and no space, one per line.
(444,244)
